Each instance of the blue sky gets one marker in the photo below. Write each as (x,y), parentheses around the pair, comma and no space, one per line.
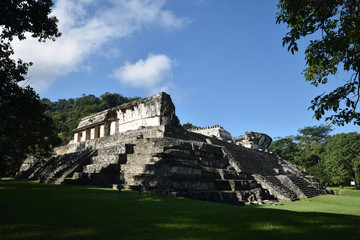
(221,61)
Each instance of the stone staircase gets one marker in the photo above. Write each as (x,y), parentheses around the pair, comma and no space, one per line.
(60,177)
(104,158)
(282,179)
(305,187)
(139,163)
(178,163)
(191,169)
(105,166)
(58,168)
(276,187)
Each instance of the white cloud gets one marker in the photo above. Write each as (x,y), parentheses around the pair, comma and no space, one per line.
(110,53)
(149,73)
(86,26)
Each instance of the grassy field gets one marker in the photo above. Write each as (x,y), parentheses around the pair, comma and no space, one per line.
(31,210)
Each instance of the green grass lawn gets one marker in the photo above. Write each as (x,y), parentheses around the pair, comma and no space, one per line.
(31,210)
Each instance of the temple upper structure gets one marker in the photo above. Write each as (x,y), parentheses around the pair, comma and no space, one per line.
(253,140)
(214,131)
(147,112)
(154,111)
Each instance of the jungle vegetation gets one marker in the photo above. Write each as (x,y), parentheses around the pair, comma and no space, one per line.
(332,159)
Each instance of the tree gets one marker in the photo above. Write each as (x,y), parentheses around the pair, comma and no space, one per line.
(318,134)
(305,149)
(25,127)
(188,126)
(285,147)
(342,158)
(109,100)
(334,24)
(311,144)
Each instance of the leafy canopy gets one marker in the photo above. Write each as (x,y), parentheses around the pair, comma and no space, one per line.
(335,24)
(305,149)
(342,158)
(188,126)
(25,127)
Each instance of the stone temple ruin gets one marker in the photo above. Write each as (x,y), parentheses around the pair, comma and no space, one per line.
(142,144)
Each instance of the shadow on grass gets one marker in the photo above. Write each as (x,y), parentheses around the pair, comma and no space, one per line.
(63,212)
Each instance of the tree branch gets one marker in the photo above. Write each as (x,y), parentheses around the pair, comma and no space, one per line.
(358,91)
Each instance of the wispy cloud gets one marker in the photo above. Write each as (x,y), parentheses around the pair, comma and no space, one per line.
(86,26)
(149,73)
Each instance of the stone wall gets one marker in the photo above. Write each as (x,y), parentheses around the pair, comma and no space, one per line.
(112,140)
(152,111)
(213,131)
(254,140)
(148,112)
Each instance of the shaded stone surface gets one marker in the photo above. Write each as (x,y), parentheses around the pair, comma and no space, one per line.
(168,160)
(254,140)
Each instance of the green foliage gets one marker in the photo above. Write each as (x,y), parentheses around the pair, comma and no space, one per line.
(311,144)
(309,155)
(285,147)
(68,113)
(24,126)
(342,157)
(109,100)
(188,126)
(44,211)
(335,24)
(333,160)
(305,150)
(318,134)
(318,171)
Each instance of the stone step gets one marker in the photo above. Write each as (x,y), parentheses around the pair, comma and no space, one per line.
(235,185)
(105,159)
(61,165)
(204,161)
(114,150)
(275,187)
(137,158)
(305,187)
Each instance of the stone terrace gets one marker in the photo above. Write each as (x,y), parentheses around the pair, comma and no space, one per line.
(162,157)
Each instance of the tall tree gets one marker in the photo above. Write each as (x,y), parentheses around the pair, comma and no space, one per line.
(25,127)
(342,158)
(305,149)
(311,144)
(334,24)
(285,147)
(318,134)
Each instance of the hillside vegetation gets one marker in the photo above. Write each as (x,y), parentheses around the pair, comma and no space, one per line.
(67,113)
(334,159)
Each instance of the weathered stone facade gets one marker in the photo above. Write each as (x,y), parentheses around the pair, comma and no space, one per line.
(152,111)
(254,140)
(142,144)
(214,131)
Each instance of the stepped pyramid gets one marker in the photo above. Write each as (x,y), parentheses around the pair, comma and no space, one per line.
(141,144)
